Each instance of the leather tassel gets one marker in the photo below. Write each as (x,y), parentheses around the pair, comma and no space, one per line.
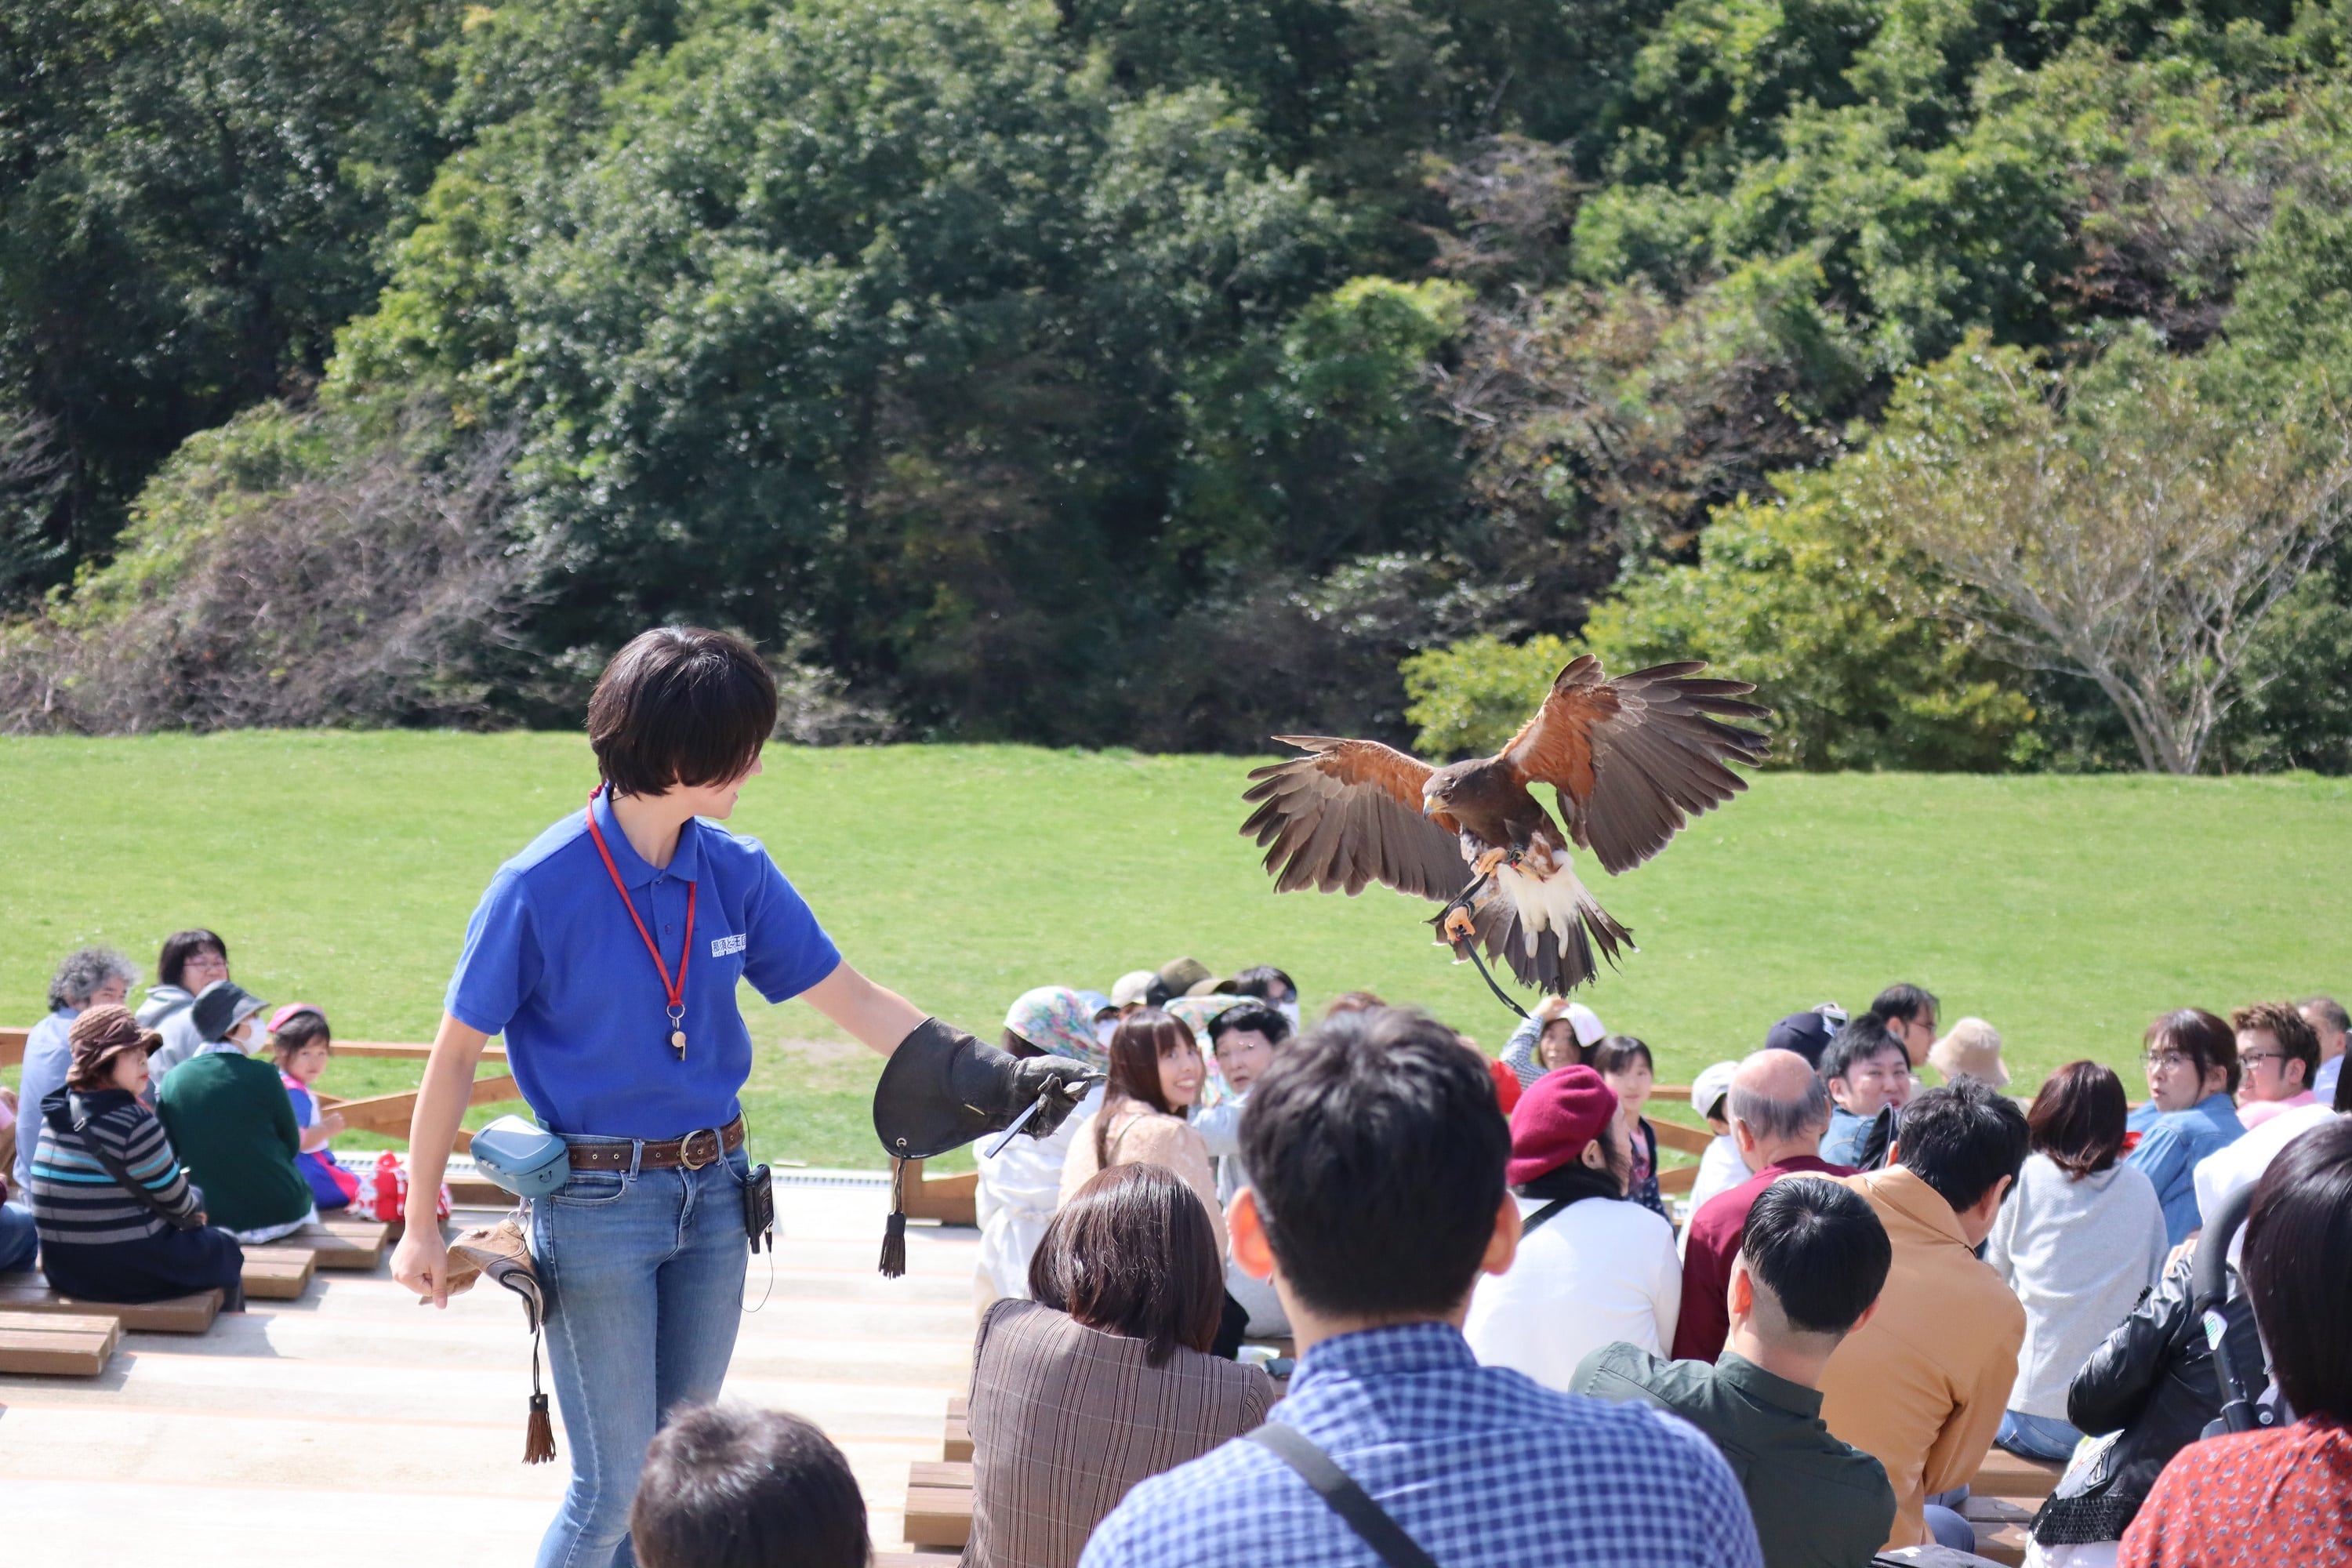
(538,1433)
(539,1437)
(894,1235)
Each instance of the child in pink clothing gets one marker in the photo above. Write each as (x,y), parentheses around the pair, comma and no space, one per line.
(300,1036)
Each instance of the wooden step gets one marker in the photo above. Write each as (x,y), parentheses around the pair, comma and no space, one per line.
(57,1344)
(2004,1475)
(190,1314)
(939,1516)
(917,1558)
(957,1444)
(946,1473)
(354,1243)
(277,1273)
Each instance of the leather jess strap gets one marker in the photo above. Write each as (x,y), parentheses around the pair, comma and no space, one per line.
(704,1146)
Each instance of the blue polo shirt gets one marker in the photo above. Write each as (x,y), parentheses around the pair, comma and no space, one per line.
(553,963)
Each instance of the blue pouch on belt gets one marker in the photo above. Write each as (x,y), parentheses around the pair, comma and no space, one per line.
(524,1158)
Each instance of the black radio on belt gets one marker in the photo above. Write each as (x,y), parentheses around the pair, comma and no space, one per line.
(759,1209)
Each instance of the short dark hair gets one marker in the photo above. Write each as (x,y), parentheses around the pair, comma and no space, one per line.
(1264,981)
(1376,1149)
(1961,1137)
(2298,1268)
(2077,1118)
(729,1486)
(1132,1254)
(1250,1014)
(183,945)
(1142,1038)
(2198,1035)
(1820,1250)
(1905,1002)
(1618,1053)
(1858,1039)
(304,1028)
(2289,1028)
(680,705)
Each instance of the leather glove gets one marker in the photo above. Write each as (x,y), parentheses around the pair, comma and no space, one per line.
(942,1089)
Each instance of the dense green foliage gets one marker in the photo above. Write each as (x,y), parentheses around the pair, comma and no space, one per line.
(1166,373)
(341,869)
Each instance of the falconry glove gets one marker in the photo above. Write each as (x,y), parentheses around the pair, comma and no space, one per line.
(941,1088)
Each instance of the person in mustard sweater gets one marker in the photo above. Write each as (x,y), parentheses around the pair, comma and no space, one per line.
(1922,1385)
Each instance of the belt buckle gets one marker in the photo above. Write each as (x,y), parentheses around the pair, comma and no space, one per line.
(685,1148)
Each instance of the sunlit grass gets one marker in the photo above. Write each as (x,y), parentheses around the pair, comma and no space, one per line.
(341,868)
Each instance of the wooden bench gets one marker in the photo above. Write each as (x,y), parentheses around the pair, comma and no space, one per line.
(277,1273)
(939,1502)
(177,1315)
(2002,1497)
(350,1244)
(951,1200)
(57,1344)
(957,1445)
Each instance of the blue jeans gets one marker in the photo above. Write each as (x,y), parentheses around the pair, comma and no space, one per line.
(2037,1437)
(18,1238)
(643,1276)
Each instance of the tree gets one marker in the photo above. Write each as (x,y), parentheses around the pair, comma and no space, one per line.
(2110,523)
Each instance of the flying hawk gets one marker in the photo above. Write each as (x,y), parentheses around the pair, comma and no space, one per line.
(1632,759)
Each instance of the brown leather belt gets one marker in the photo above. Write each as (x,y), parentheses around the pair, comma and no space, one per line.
(704,1146)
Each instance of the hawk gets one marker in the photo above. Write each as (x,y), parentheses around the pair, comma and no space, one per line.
(1632,759)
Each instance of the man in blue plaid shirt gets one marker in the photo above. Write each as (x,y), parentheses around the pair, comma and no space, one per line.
(1376,1154)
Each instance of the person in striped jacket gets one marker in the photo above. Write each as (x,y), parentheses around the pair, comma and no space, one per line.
(118,1219)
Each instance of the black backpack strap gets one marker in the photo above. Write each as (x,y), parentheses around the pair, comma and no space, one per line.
(1349,1502)
(77,1121)
(1542,1217)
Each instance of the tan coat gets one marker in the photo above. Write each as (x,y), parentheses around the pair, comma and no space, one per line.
(1139,1135)
(1922,1385)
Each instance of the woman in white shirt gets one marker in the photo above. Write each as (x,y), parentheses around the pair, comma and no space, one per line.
(1020,1188)
(2081,1238)
(1593,1268)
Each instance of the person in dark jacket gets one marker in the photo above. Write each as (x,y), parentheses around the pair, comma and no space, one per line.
(230,1119)
(99,1239)
(2152,1382)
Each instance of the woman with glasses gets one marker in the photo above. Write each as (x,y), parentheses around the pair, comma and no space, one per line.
(2191,1059)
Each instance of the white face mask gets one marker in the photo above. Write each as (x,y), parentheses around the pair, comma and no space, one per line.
(1104,1029)
(1290,1011)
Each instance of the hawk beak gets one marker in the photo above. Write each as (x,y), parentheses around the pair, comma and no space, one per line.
(1429,806)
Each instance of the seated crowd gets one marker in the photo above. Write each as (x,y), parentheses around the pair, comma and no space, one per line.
(1509,1348)
(1510,1364)
(142,1151)
(1960,1271)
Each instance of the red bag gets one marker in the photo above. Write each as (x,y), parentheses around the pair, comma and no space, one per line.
(386,1194)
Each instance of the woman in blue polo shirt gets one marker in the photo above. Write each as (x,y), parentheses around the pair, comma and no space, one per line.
(608,953)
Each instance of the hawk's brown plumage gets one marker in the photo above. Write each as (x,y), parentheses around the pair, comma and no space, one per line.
(1631,760)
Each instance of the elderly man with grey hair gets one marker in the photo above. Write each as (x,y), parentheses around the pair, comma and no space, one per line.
(1778,1109)
(91,977)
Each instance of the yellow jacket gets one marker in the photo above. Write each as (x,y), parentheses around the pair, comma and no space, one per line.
(1922,1385)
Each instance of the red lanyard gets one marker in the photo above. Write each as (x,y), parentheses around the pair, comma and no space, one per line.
(673,991)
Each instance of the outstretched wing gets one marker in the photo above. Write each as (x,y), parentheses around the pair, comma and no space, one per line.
(1635,758)
(1349,813)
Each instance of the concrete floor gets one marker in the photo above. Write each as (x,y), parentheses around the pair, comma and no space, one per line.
(355,1426)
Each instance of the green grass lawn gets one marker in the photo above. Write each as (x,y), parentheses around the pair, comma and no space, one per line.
(341,869)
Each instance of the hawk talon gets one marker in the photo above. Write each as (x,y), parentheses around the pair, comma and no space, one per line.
(1459,928)
(1485,864)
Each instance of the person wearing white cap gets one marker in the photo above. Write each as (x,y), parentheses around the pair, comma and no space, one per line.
(1556,1035)
(1133,989)
(1720,1168)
